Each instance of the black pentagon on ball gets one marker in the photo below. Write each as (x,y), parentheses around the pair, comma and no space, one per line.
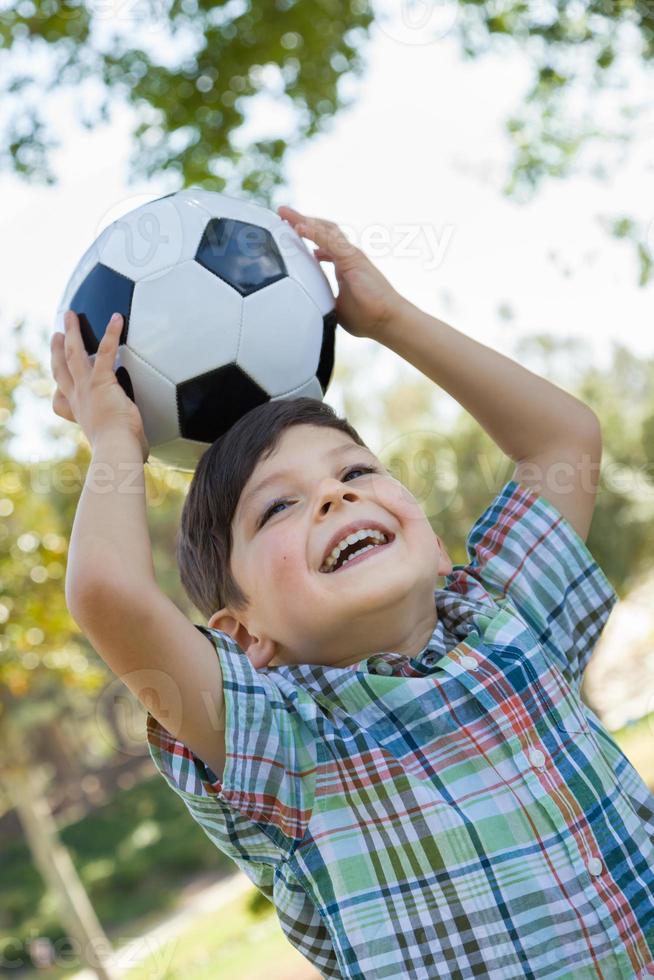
(208,405)
(326,360)
(125,382)
(241,254)
(103,292)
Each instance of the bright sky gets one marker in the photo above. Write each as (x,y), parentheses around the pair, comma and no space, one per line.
(417,163)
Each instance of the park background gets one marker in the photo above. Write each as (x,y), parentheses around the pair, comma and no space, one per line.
(495,161)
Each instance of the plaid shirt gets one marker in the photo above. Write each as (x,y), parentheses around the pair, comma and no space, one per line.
(456,814)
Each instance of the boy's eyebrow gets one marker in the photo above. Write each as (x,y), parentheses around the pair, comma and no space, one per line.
(274,477)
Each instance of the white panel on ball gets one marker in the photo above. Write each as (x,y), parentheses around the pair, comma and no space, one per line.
(281,336)
(157,396)
(310,389)
(154,237)
(303,267)
(208,310)
(182,454)
(223,206)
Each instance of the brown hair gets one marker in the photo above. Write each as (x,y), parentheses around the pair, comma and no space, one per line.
(204,541)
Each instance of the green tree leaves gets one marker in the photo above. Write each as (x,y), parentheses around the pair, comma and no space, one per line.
(191,71)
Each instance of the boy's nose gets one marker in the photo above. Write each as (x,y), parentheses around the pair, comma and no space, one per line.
(334,490)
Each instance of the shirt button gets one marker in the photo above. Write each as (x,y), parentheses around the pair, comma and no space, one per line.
(468,662)
(595,866)
(383,667)
(537,758)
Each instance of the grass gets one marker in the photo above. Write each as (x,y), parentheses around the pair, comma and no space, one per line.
(133,856)
(238,942)
(232,944)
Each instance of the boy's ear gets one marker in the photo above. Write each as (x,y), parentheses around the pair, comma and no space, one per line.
(259,650)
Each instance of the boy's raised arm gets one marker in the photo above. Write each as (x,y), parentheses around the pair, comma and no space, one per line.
(111,589)
(112,594)
(553,437)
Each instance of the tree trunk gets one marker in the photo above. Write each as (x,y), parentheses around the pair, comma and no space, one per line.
(52,858)
(65,753)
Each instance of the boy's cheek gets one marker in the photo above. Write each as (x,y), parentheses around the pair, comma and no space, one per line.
(285,561)
(400,499)
(388,490)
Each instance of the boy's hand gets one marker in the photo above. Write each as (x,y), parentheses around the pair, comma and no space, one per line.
(366,301)
(90,393)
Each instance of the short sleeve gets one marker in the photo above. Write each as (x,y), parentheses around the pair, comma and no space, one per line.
(303,924)
(260,810)
(524,548)
(238,837)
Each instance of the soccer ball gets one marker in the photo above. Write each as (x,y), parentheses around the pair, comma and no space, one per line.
(224,308)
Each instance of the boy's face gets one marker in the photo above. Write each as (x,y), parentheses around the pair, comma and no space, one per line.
(300,614)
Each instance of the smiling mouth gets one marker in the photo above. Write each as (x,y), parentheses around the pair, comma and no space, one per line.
(360,557)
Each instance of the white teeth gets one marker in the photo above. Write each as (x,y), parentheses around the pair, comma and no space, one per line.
(359,551)
(351,539)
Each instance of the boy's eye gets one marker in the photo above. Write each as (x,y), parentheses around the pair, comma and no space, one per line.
(277,503)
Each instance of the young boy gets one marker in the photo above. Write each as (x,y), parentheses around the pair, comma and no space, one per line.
(406,771)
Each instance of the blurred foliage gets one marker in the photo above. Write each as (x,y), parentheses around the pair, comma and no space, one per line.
(46,664)
(133,854)
(41,655)
(579,55)
(641,235)
(575,51)
(258,903)
(190,71)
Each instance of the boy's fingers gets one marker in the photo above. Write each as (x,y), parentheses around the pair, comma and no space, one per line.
(77,359)
(326,234)
(291,215)
(61,407)
(58,366)
(106,353)
(284,211)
